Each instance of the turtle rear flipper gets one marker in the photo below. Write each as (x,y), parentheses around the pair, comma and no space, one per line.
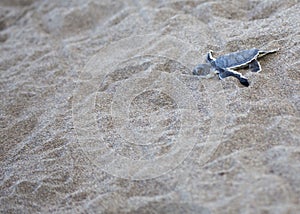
(223,73)
(263,53)
(254,66)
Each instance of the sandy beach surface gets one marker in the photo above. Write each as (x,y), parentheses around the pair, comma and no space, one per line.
(99,111)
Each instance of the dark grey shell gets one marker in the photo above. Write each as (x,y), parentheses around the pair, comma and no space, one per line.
(237,59)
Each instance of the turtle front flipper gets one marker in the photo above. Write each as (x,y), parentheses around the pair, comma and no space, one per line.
(254,66)
(223,73)
(209,58)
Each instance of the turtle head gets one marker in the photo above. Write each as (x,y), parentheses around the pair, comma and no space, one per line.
(202,69)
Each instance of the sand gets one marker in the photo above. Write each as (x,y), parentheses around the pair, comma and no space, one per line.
(100,113)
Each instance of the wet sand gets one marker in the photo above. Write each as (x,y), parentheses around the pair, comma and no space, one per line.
(100,113)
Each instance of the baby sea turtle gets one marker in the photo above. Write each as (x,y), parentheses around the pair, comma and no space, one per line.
(224,65)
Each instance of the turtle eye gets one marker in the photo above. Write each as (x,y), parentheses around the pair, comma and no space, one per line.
(199,69)
(195,71)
